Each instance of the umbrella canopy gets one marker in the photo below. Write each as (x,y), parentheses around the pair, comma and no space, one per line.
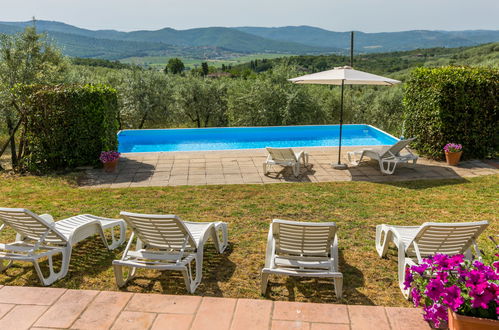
(344,75)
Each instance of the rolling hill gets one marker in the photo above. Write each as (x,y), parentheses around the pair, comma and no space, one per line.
(223,42)
(376,42)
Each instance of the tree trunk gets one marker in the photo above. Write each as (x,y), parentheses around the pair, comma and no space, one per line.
(143,121)
(12,131)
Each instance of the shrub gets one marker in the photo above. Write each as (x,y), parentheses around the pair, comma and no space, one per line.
(69,126)
(453,104)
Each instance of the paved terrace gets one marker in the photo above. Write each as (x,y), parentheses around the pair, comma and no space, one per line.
(245,166)
(49,308)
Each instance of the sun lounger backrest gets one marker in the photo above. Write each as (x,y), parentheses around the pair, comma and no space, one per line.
(447,238)
(303,238)
(160,231)
(397,147)
(282,154)
(30,225)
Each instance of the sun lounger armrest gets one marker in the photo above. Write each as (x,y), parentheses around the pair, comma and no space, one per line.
(47,217)
(269,255)
(334,252)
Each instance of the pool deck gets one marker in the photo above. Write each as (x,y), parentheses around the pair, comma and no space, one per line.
(58,308)
(245,167)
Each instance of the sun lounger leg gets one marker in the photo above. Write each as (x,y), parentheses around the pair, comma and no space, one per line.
(338,286)
(383,237)
(121,278)
(265,281)
(53,276)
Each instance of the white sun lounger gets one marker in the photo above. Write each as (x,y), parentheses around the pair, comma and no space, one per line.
(285,157)
(417,242)
(164,242)
(388,157)
(38,236)
(307,249)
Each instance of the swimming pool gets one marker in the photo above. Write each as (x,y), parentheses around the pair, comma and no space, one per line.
(198,139)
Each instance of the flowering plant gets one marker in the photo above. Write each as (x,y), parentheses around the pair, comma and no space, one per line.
(441,282)
(109,156)
(453,147)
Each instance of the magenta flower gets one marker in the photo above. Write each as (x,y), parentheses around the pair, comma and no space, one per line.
(109,156)
(416,297)
(453,147)
(452,297)
(482,299)
(447,282)
(435,313)
(420,269)
(408,279)
(434,289)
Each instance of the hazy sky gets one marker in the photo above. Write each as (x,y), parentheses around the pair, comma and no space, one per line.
(337,15)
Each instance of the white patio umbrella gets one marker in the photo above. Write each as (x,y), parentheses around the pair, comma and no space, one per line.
(342,76)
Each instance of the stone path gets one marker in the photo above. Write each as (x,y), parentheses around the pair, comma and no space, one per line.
(245,166)
(49,308)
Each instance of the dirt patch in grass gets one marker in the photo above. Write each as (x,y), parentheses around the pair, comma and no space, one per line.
(357,207)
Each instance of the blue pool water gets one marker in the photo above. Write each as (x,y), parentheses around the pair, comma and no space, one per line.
(197,139)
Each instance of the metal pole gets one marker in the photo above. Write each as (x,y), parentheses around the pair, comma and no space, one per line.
(341,121)
(338,165)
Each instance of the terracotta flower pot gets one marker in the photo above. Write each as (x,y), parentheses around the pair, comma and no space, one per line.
(453,158)
(461,322)
(111,166)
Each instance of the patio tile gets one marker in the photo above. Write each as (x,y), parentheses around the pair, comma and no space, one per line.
(23,295)
(289,325)
(363,317)
(22,317)
(310,312)
(134,320)
(4,308)
(330,326)
(214,313)
(67,309)
(406,318)
(161,303)
(172,322)
(102,312)
(251,314)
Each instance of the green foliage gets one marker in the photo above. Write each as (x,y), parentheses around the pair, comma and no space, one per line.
(25,58)
(201,101)
(175,66)
(68,126)
(453,104)
(100,63)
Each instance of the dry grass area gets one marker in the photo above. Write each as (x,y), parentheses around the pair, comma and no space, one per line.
(357,207)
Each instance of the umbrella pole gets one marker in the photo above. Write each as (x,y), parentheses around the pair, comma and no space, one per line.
(339,165)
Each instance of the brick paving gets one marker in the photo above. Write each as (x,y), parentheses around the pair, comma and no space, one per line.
(246,167)
(55,308)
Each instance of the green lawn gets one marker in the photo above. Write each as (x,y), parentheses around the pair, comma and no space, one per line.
(357,207)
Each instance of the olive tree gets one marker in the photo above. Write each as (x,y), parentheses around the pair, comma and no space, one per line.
(25,58)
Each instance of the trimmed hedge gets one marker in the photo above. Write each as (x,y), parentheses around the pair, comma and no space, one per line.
(453,104)
(68,126)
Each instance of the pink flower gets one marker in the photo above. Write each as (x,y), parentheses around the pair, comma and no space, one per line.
(442,276)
